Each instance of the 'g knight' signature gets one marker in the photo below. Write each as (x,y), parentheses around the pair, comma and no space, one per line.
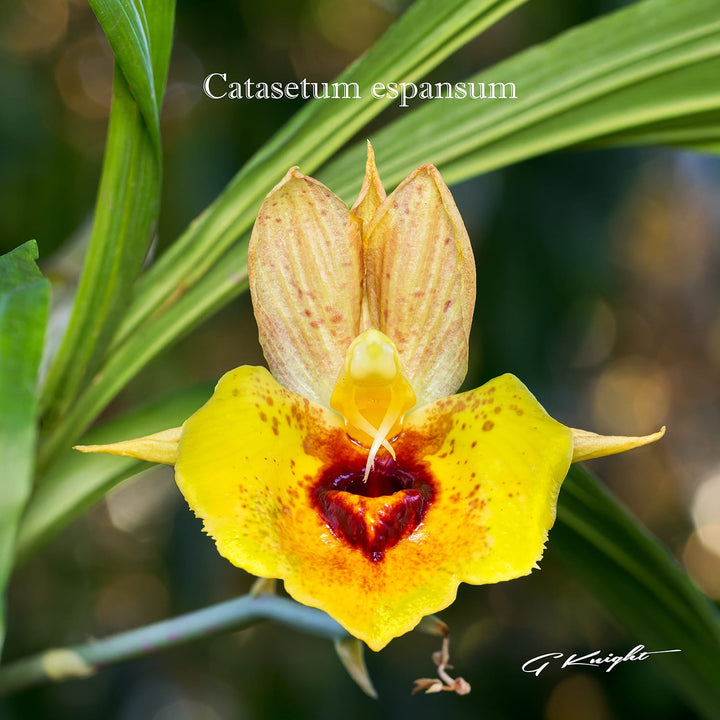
(594,659)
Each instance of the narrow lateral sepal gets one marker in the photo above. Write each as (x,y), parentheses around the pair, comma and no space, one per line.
(589,445)
(352,656)
(161,447)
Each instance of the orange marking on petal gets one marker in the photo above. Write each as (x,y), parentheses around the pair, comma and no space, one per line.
(380,555)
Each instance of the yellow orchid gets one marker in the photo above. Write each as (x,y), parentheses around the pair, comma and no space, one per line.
(353,472)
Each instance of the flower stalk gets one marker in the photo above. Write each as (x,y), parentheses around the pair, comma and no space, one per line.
(81,661)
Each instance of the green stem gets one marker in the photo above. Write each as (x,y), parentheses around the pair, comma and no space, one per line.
(81,661)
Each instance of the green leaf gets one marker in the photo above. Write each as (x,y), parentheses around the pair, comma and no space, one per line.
(637,580)
(76,481)
(140,34)
(218,286)
(24,301)
(129,196)
(655,61)
(694,131)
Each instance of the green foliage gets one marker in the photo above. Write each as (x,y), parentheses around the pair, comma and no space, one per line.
(637,580)
(24,300)
(620,79)
(645,74)
(140,34)
(128,200)
(76,481)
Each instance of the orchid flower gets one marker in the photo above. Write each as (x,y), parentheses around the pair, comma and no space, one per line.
(352,471)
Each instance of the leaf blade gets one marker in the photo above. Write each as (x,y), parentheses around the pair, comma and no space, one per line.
(76,481)
(24,301)
(638,581)
(128,199)
(652,60)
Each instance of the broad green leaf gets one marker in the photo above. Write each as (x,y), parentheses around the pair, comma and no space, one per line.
(76,481)
(694,131)
(24,300)
(637,580)
(129,196)
(656,61)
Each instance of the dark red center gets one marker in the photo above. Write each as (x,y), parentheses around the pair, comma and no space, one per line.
(375,515)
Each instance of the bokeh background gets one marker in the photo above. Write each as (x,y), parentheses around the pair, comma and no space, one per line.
(598,285)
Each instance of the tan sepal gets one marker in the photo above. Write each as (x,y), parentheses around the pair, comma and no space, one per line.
(305,271)
(351,652)
(372,193)
(161,447)
(420,282)
(588,445)
(264,586)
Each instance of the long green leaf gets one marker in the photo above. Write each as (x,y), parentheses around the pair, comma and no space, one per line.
(638,581)
(694,131)
(76,481)
(140,34)
(24,300)
(125,216)
(129,196)
(655,61)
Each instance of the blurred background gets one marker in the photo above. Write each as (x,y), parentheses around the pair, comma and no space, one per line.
(598,285)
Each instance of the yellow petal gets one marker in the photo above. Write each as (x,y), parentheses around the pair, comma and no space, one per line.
(501,459)
(241,466)
(279,486)
(420,282)
(372,193)
(161,447)
(305,270)
(588,445)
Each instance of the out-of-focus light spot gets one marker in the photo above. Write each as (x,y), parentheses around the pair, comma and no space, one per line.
(670,238)
(702,565)
(706,512)
(179,99)
(578,696)
(631,396)
(350,26)
(186,710)
(183,89)
(36,28)
(134,506)
(131,600)
(599,338)
(83,76)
